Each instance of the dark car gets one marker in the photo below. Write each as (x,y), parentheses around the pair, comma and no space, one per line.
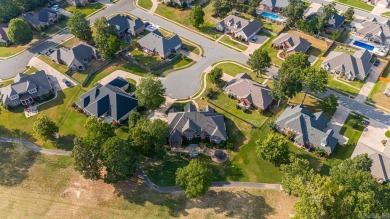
(67,83)
(376,63)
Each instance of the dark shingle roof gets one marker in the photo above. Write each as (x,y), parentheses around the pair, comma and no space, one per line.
(74,56)
(155,41)
(125,22)
(275,3)
(336,21)
(297,43)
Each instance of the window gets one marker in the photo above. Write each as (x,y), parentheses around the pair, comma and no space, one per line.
(14,97)
(34,90)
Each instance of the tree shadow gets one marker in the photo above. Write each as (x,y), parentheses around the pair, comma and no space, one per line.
(15,162)
(234,133)
(59,100)
(15,133)
(238,204)
(65,142)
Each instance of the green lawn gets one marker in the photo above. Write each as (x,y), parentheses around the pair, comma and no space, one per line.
(377,95)
(87,10)
(10,50)
(59,67)
(179,63)
(232,43)
(71,42)
(387,14)
(343,49)
(340,86)
(182,17)
(357,4)
(134,69)
(271,51)
(147,4)
(146,59)
(234,69)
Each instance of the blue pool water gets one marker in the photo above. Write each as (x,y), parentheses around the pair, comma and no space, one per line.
(363,45)
(269,15)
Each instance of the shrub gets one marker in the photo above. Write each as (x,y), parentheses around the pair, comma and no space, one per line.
(229,145)
(245,110)
(353,123)
(238,106)
(261,111)
(290,135)
(209,93)
(272,126)
(319,152)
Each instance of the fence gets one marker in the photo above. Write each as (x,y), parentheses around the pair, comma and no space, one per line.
(156,67)
(91,73)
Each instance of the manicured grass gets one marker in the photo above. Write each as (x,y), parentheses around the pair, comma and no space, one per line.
(233,43)
(377,95)
(234,69)
(340,86)
(387,14)
(71,42)
(147,4)
(179,63)
(273,27)
(87,10)
(357,4)
(146,59)
(316,43)
(134,69)
(387,134)
(272,52)
(10,50)
(102,74)
(58,67)
(182,17)
(343,49)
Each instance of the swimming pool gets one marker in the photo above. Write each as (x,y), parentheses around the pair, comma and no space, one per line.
(363,45)
(269,15)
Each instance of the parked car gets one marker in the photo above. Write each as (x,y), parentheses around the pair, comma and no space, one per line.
(67,83)
(377,61)
(254,39)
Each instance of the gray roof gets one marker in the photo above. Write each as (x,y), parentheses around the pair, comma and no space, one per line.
(3,34)
(37,18)
(295,43)
(275,3)
(372,29)
(358,64)
(257,94)
(309,127)
(236,24)
(74,56)
(155,41)
(107,100)
(206,121)
(125,22)
(380,166)
(23,83)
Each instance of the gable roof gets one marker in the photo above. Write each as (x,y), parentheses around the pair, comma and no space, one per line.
(358,64)
(42,16)
(257,94)
(107,100)
(336,21)
(380,166)
(206,121)
(155,41)
(125,22)
(74,56)
(374,29)
(275,3)
(296,43)
(23,83)
(309,127)
(3,34)
(233,22)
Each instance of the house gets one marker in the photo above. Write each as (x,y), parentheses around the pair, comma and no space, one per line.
(374,31)
(356,66)
(239,27)
(249,93)
(191,123)
(156,44)
(308,128)
(4,41)
(25,89)
(291,44)
(78,2)
(125,25)
(76,58)
(43,18)
(179,2)
(335,22)
(273,5)
(379,3)
(108,102)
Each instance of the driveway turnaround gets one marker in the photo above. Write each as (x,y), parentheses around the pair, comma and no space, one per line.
(373,135)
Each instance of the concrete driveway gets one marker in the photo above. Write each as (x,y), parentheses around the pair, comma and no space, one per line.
(119,73)
(373,135)
(254,46)
(55,76)
(370,82)
(337,122)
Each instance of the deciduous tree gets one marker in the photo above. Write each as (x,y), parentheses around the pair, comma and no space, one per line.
(106,39)
(259,61)
(79,26)
(295,174)
(215,75)
(195,179)
(150,92)
(315,81)
(274,149)
(349,14)
(19,32)
(134,118)
(293,11)
(197,16)
(45,128)
(329,104)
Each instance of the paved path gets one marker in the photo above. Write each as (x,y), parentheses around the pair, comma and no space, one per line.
(154,7)
(219,184)
(369,83)
(34,147)
(337,122)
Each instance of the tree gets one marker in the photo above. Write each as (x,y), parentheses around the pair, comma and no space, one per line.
(315,81)
(197,16)
(327,13)
(259,61)
(45,128)
(86,152)
(119,158)
(134,118)
(195,179)
(215,75)
(329,104)
(273,149)
(150,92)
(291,76)
(293,12)
(149,137)
(8,10)
(19,32)
(106,39)
(349,14)
(221,8)
(79,26)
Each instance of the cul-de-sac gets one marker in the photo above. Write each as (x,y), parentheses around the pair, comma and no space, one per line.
(195,109)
